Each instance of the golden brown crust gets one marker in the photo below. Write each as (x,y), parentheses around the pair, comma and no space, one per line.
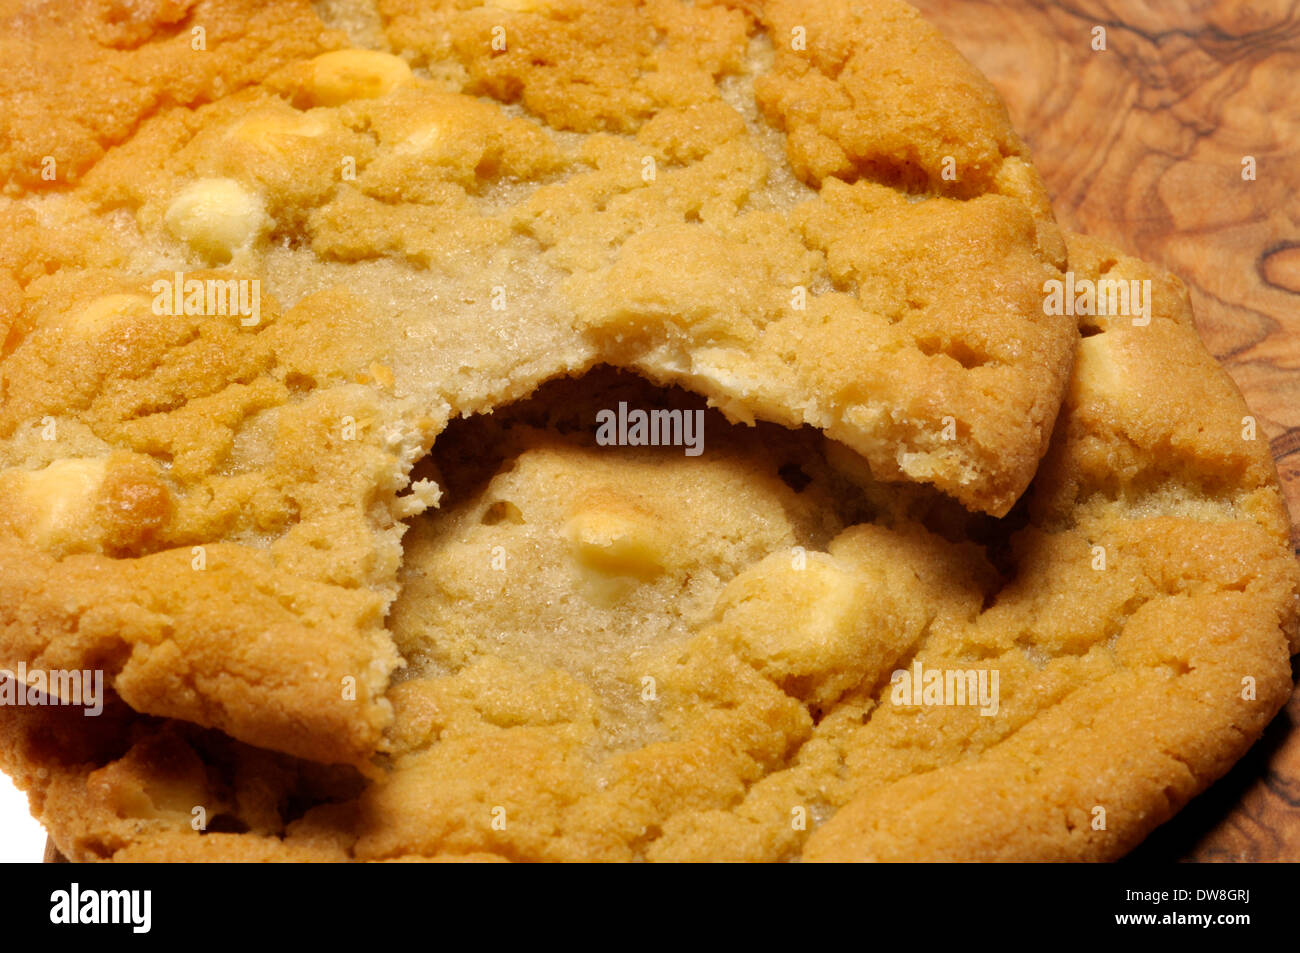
(132,60)
(1140,610)
(424,253)
(1186,635)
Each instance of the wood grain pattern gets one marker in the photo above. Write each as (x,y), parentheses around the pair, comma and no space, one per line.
(1143,144)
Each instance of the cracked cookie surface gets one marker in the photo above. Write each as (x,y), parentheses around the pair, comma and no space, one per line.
(1139,608)
(444,206)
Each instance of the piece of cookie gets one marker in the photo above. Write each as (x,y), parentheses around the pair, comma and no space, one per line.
(253,266)
(625,653)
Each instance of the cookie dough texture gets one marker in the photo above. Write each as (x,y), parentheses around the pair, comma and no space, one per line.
(678,658)
(808,214)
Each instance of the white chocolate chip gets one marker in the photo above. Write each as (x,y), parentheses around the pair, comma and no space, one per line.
(275,132)
(809,627)
(216,217)
(103,312)
(1097,373)
(344,75)
(420,141)
(55,505)
(618,541)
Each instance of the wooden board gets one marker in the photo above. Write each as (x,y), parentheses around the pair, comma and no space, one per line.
(1143,144)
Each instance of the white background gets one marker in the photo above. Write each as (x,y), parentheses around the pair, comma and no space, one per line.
(21,838)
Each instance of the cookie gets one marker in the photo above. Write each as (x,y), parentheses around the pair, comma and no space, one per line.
(254,263)
(761,653)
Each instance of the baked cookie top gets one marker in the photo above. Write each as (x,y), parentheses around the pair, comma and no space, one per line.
(253,264)
(631,653)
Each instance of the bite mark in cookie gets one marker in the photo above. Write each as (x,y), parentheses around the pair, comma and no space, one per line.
(735,695)
(474,201)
